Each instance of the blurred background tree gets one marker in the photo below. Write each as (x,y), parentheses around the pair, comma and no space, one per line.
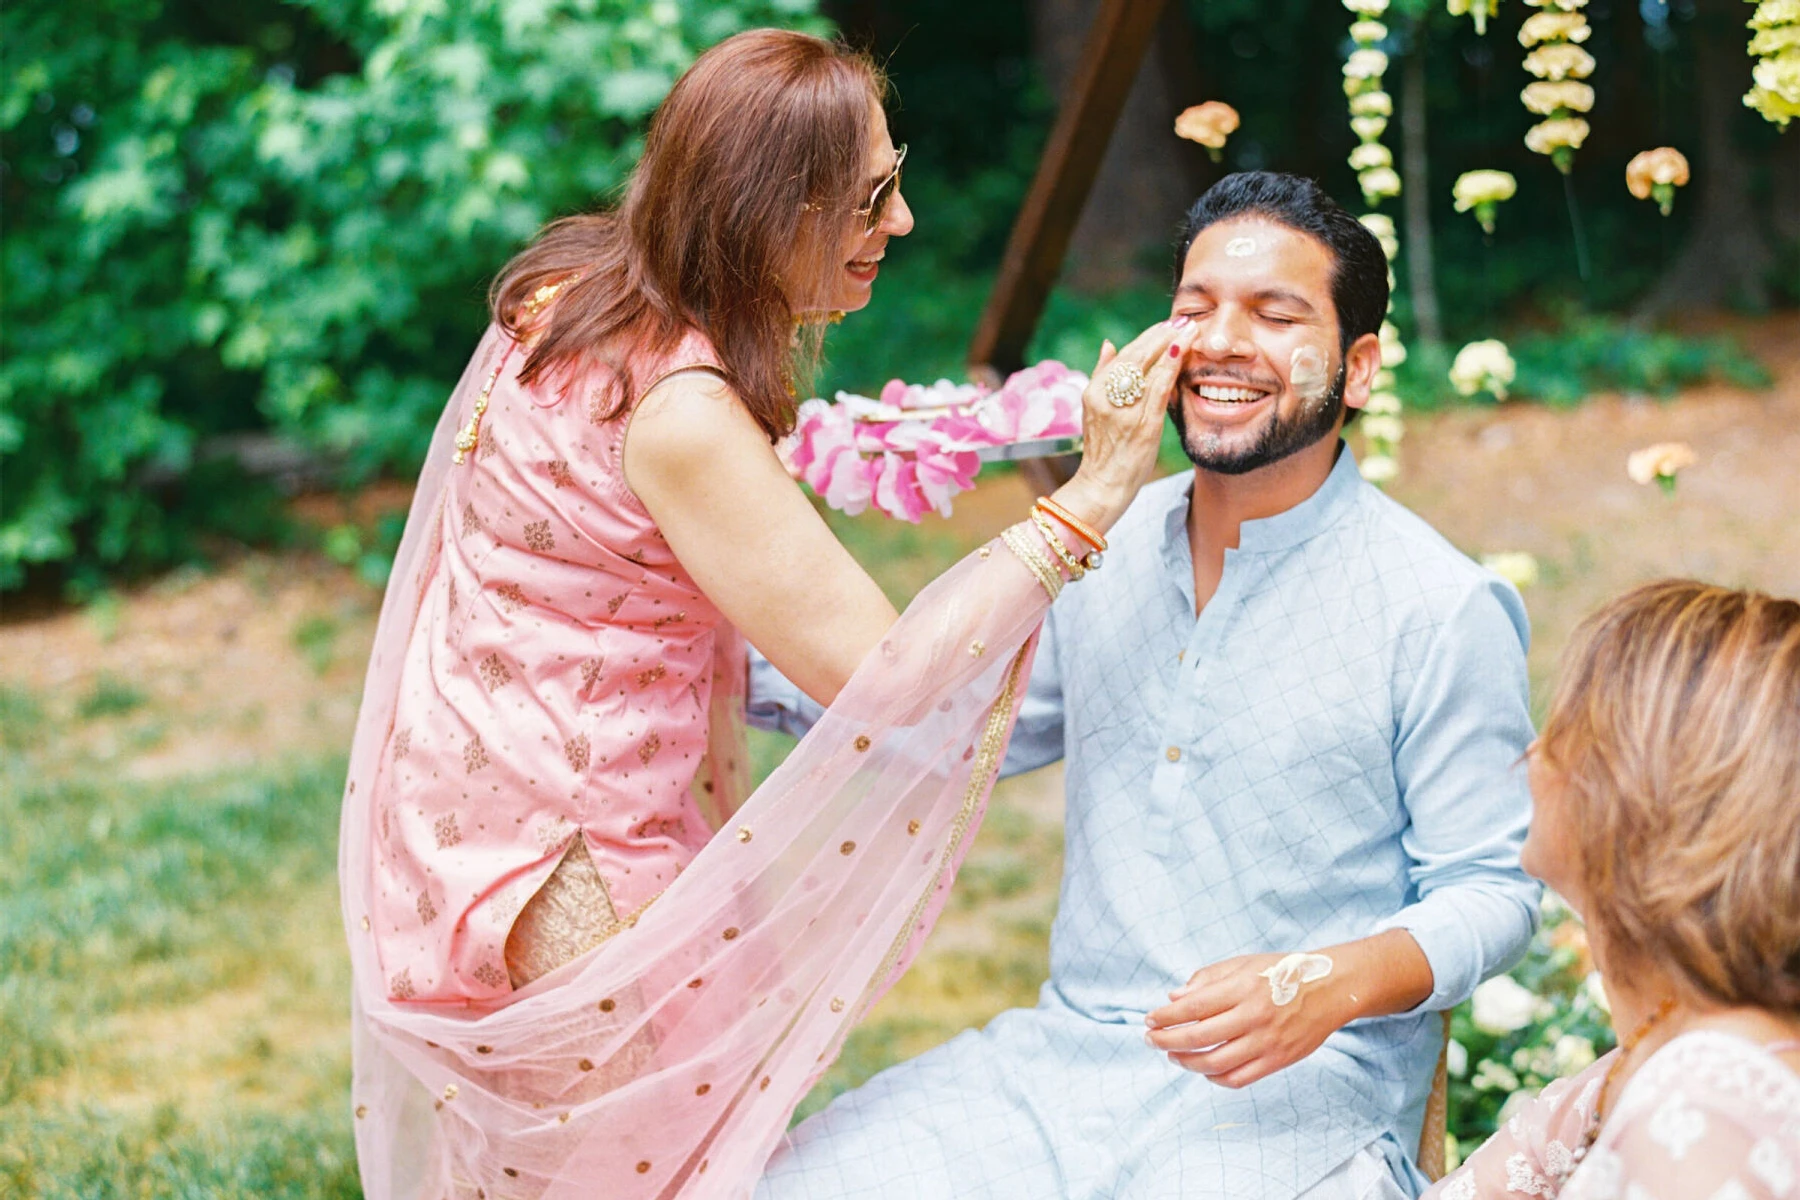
(253,238)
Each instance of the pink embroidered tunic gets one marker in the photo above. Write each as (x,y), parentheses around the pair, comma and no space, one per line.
(554,698)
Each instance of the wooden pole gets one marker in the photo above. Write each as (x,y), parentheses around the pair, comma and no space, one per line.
(1115,49)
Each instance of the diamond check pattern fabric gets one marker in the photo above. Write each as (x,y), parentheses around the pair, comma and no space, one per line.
(1327,751)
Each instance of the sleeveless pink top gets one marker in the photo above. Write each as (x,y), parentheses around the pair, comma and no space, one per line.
(556,686)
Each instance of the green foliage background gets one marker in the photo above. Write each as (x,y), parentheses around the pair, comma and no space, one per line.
(240,217)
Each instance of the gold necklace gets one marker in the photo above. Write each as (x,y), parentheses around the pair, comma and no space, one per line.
(1627,1046)
(469,436)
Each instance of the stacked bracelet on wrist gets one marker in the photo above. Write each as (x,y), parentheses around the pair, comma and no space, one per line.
(1075,525)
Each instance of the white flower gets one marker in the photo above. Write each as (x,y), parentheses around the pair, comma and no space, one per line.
(1393,351)
(1456,1058)
(1771,13)
(1595,987)
(1561,5)
(1560,60)
(1368,128)
(1515,566)
(1378,468)
(1382,427)
(1663,460)
(1503,1005)
(1482,187)
(1571,1054)
(1368,31)
(1382,226)
(1379,182)
(1372,104)
(1370,155)
(1779,73)
(1483,366)
(1548,136)
(1382,403)
(1544,98)
(1554,27)
(1367,8)
(1365,64)
(1491,1076)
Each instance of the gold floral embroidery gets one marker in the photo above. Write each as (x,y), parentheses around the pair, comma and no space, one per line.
(362,1110)
(487,450)
(862,742)
(612,606)
(837,1004)
(578,752)
(649,748)
(646,678)
(494,673)
(450,1090)
(402,743)
(538,537)
(386,824)
(489,975)
(427,910)
(744,834)
(454,606)
(560,475)
(590,672)
(512,597)
(670,619)
(475,755)
(553,832)
(847,848)
(977,648)
(400,987)
(636,556)
(674,828)
(608,1005)
(471,521)
(730,934)
(448,835)
(912,829)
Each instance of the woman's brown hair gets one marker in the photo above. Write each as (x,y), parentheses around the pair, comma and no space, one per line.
(1676,732)
(750,167)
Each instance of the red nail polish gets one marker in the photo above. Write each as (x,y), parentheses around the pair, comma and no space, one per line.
(1174,351)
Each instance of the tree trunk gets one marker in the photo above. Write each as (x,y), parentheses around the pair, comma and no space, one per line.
(1726,256)
(1147,179)
(1415,194)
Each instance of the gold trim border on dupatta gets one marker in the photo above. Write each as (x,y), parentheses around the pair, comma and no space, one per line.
(987,764)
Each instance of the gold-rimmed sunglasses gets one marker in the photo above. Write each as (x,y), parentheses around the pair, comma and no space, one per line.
(884,191)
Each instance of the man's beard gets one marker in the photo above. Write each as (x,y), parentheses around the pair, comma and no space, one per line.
(1281,437)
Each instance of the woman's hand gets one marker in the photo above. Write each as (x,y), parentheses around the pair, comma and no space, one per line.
(1119,444)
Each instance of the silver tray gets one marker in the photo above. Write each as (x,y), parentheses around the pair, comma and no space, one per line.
(1031,448)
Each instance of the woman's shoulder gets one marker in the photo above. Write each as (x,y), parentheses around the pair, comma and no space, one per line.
(1716,1070)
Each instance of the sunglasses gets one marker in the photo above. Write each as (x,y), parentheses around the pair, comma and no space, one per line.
(876,209)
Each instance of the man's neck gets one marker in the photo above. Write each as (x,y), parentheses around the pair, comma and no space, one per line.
(1222,503)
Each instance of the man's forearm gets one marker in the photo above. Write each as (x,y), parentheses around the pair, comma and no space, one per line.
(1376,976)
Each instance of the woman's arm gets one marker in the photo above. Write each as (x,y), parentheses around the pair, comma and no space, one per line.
(748,535)
(760,551)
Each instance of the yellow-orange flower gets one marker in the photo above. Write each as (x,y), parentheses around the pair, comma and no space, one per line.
(1545,98)
(1209,124)
(1665,460)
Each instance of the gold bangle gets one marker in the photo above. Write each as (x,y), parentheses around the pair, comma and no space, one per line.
(1034,560)
(1076,570)
(1080,528)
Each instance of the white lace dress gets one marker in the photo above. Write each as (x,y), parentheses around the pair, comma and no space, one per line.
(1710,1116)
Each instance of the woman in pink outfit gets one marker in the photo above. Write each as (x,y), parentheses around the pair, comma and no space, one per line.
(584,964)
(1667,789)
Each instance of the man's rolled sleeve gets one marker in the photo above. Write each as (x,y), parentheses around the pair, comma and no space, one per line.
(775,703)
(1457,761)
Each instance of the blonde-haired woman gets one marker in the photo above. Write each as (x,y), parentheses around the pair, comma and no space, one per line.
(1667,791)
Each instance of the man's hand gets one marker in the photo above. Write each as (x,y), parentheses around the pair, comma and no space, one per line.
(1224,1023)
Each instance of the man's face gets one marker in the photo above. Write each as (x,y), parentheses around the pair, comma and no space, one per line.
(1265,377)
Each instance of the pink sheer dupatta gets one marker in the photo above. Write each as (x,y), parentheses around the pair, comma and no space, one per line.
(667,1061)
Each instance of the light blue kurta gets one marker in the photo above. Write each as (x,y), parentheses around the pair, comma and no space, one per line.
(1329,750)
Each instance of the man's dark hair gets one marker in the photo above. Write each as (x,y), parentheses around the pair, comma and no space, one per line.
(1359,288)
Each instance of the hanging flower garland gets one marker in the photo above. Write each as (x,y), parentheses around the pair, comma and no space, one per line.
(1776,45)
(912,450)
(1370,108)
(1483,191)
(1657,173)
(1554,37)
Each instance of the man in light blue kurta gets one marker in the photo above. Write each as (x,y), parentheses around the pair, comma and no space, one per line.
(1324,753)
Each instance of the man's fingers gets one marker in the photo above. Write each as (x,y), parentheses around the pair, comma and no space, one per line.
(1191,1007)
(1200,1035)
(1220,1061)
